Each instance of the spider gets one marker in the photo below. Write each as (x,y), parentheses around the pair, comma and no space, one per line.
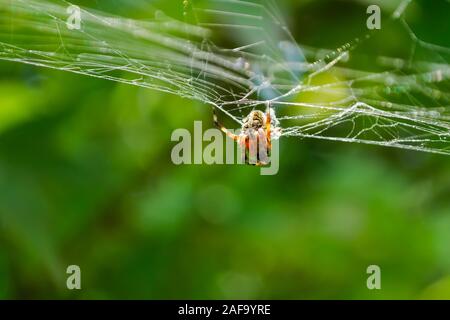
(255,139)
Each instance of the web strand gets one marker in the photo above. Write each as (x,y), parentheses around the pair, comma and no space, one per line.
(318,93)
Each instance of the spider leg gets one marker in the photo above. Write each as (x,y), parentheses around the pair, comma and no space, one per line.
(243,147)
(268,127)
(222,128)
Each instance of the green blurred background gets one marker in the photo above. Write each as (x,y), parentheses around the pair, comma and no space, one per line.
(86,179)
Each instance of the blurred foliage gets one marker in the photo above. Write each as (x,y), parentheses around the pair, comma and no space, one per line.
(86,179)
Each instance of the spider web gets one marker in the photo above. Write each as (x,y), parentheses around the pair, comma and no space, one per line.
(238,55)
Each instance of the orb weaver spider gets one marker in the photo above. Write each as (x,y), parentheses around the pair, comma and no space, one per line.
(255,139)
